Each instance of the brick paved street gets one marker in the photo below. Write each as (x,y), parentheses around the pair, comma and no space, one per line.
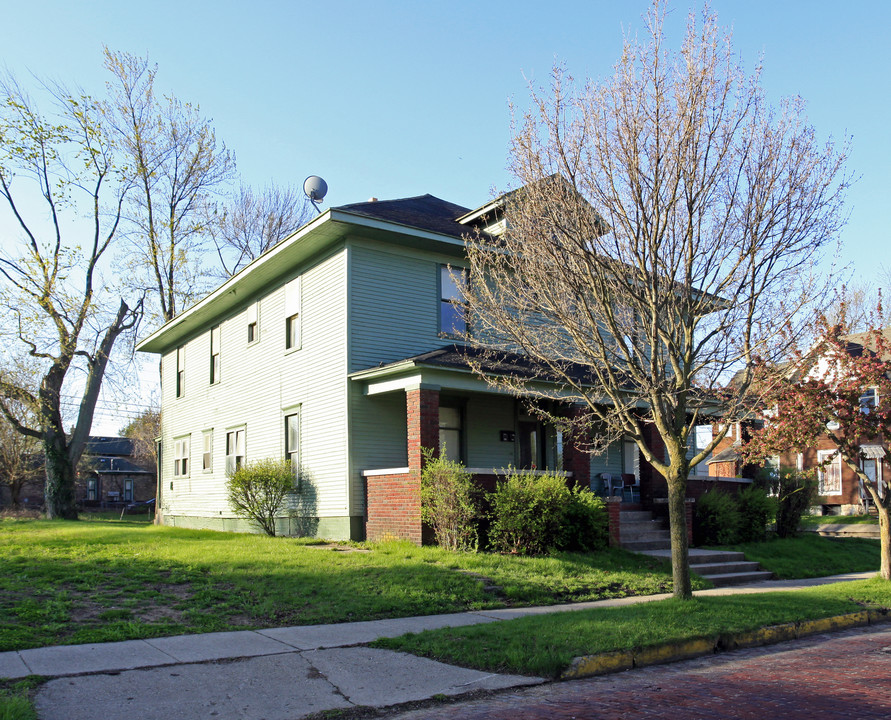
(843,675)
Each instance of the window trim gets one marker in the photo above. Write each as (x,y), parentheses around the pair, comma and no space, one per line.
(233,436)
(180,371)
(182,456)
(253,323)
(207,452)
(446,270)
(293,453)
(215,375)
(822,473)
(294,314)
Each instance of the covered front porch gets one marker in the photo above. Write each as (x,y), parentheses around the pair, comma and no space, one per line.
(440,404)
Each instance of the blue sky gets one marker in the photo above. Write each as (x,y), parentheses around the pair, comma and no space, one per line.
(396,98)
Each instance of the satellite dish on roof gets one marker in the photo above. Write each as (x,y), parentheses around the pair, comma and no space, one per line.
(315,189)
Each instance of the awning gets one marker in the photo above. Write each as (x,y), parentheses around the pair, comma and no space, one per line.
(872,452)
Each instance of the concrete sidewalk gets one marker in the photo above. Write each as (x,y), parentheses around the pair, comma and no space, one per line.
(279,673)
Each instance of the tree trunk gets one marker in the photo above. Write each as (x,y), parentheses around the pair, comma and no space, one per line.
(60,481)
(885,534)
(677,514)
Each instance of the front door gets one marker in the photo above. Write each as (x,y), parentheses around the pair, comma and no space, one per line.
(531,445)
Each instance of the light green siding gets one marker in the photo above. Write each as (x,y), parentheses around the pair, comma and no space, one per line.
(486,416)
(260,383)
(394,303)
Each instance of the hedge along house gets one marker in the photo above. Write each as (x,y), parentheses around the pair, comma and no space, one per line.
(337,348)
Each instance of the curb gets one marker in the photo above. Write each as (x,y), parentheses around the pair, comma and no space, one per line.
(619,660)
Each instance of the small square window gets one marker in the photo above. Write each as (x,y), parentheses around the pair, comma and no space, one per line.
(253,322)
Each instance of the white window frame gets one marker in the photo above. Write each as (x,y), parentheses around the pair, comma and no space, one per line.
(293,314)
(292,438)
(253,322)
(869,398)
(207,451)
(181,371)
(215,334)
(181,449)
(823,472)
(128,490)
(456,299)
(235,449)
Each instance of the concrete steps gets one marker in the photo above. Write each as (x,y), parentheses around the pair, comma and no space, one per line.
(639,531)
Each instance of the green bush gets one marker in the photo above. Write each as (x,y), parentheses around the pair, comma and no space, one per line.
(585,524)
(257,491)
(756,510)
(717,519)
(449,503)
(796,491)
(533,514)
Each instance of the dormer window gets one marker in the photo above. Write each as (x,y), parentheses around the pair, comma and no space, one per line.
(452,306)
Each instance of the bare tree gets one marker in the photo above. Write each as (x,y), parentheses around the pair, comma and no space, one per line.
(252,223)
(57,317)
(144,430)
(20,457)
(663,238)
(178,166)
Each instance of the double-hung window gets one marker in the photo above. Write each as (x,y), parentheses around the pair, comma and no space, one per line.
(234,450)
(451,433)
(292,314)
(869,399)
(829,476)
(181,457)
(207,451)
(292,440)
(180,370)
(253,322)
(214,355)
(452,306)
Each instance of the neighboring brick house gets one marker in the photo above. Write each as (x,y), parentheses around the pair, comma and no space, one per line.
(110,475)
(337,348)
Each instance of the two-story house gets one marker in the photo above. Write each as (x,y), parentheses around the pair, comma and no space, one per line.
(338,348)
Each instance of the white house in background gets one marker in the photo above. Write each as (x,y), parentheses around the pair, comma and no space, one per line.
(338,349)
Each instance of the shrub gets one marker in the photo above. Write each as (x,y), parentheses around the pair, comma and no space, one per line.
(449,503)
(585,527)
(796,491)
(257,491)
(527,513)
(756,510)
(717,519)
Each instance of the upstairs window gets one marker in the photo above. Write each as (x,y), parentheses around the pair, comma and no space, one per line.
(234,450)
(253,322)
(292,314)
(181,457)
(180,370)
(452,306)
(215,355)
(869,399)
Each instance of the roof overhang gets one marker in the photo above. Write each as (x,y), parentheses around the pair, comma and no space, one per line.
(872,452)
(279,262)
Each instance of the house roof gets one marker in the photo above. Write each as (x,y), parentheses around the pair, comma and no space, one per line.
(730,454)
(425,212)
(108,446)
(491,362)
(117,466)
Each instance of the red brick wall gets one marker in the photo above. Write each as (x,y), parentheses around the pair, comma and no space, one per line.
(394,508)
(394,501)
(652,484)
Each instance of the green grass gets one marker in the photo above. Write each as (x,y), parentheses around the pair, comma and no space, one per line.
(15,699)
(811,555)
(544,645)
(78,582)
(810,520)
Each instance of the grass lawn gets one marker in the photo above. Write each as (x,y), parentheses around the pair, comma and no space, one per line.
(839,520)
(545,645)
(78,582)
(811,555)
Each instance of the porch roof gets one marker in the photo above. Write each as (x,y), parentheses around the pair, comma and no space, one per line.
(451,367)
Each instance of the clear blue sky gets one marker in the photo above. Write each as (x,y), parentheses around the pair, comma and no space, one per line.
(395,98)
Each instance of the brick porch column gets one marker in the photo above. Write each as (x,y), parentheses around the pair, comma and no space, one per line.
(650,480)
(422,416)
(575,458)
(613,508)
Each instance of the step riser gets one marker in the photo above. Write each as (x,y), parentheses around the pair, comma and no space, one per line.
(724,568)
(742,579)
(635,546)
